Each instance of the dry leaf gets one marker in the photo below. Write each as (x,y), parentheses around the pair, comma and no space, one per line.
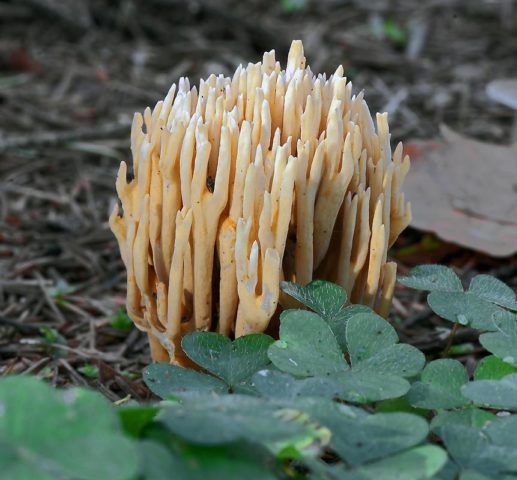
(465,191)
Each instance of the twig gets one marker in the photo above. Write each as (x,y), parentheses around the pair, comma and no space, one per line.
(37,365)
(127,387)
(75,376)
(42,139)
(50,301)
(32,192)
(23,286)
(72,13)
(23,329)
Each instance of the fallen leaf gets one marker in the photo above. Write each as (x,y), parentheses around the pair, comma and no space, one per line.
(465,191)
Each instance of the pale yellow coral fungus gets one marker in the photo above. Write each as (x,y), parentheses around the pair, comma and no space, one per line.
(271,174)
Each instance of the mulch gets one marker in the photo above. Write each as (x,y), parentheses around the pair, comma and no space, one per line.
(73,72)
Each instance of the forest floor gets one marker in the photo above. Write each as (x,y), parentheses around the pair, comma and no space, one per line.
(71,75)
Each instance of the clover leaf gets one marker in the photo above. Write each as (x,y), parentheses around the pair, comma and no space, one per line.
(373,347)
(44,434)
(201,462)
(135,418)
(494,393)
(478,307)
(364,387)
(464,308)
(422,463)
(307,346)
(434,278)
(216,420)
(325,298)
(363,439)
(167,380)
(493,368)
(276,384)
(503,342)
(469,416)
(473,451)
(339,321)
(493,290)
(440,386)
(502,431)
(418,463)
(379,364)
(233,362)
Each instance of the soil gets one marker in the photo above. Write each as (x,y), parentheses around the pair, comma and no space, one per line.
(73,72)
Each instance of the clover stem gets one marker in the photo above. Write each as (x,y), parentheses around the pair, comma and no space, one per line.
(455,328)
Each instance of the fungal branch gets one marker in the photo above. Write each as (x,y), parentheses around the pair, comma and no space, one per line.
(246,180)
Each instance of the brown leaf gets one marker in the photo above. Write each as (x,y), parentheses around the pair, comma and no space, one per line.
(465,191)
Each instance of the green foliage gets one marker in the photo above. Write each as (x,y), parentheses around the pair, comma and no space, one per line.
(394,32)
(400,404)
(470,417)
(420,462)
(503,343)
(481,306)
(492,368)
(307,346)
(464,308)
(49,434)
(493,290)
(121,321)
(169,380)
(174,459)
(474,450)
(51,341)
(324,298)
(135,418)
(359,440)
(292,6)
(494,393)
(89,370)
(50,335)
(233,362)
(387,28)
(434,278)
(488,305)
(60,291)
(462,348)
(335,397)
(227,418)
(440,386)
